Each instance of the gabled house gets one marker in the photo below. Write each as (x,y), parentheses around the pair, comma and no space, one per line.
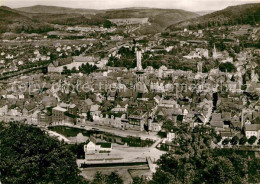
(252,130)
(216,121)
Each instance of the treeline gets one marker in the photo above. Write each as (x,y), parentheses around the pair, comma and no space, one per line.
(28,155)
(82,20)
(24,27)
(244,19)
(236,15)
(193,160)
(127,58)
(84,68)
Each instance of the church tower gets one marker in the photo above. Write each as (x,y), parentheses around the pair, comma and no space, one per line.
(214,52)
(139,60)
(199,67)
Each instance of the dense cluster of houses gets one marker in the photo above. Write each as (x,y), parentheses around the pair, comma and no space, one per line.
(137,99)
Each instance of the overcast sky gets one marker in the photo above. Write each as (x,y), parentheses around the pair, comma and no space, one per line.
(190,5)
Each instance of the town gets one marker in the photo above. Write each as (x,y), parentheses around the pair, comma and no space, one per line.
(120,95)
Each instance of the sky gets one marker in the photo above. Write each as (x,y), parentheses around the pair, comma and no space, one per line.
(189,5)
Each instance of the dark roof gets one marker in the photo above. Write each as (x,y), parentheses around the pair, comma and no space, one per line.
(252,127)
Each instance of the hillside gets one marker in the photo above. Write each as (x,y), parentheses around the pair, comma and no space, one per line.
(159,18)
(201,13)
(162,17)
(241,14)
(12,21)
(40,18)
(56,10)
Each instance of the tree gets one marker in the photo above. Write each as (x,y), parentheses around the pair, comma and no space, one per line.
(227,67)
(243,140)
(193,160)
(218,138)
(226,141)
(254,171)
(87,68)
(74,70)
(114,178)
(237,49)
(168,125)
(252,140)
(107,24)
(28,155)
(140,180)
(234,140)
(99,178)
(66,71)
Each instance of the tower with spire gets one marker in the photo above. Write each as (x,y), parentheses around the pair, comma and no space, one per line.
(139,60)
(214,52)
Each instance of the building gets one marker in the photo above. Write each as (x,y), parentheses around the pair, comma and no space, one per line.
(252,130)
(216,121)
(136,122)
(44,118)
(154,126)
(58,115)
(90,148)
(170,136)
(53,69)
(95,147)
(216,54)
(199,67)
(198,53)
(139,60)
(95,112)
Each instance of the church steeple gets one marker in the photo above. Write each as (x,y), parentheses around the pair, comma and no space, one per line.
(214,52)
(139,60)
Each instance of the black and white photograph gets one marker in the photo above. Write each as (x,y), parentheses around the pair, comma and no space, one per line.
(129,91)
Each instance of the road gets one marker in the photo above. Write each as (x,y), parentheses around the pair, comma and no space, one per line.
(122,133)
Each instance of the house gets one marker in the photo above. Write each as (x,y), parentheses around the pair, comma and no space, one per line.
(95,112)
(119,109)
(71,108)
(216,121)
(3,110)
(53,69)
(140,87)
(170,136)
(58,115)
(154,126)
(92,147)
(198,53)
(252,130)
(112,95)
(136,122)
(44,118)
(168,104)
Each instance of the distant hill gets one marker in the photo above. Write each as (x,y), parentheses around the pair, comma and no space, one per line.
(163,17)
(41,18)
(241,14)
(56,10)
(159,18)
(12,21)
